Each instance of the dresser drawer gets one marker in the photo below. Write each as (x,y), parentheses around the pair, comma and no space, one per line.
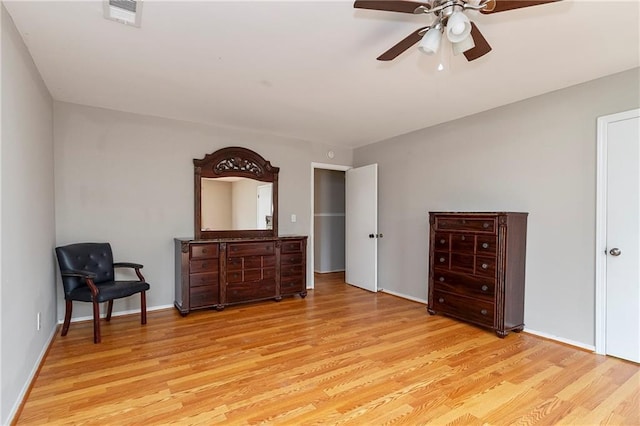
(463,243)
(462,262)
(474,224)
(203,296)
(199,280)
(290,285)
(441,241)
(486,245)
(251,275)
(464,284)
(441,259)
(291,259)
(293,246)
(292,270)
(204,251)
(242,292)
(470,309)
(486,266)
(250,262)
(250,249)
(204,265)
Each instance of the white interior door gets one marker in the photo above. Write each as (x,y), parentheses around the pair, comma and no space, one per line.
(623,239)
(361,227)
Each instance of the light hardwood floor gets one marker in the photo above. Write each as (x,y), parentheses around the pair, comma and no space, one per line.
(340,356)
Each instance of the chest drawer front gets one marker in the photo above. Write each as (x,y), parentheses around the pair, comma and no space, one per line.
(292,270)
(250,262)
(204,265)
(441,241)
(293,246)
(291,285)
(251,249)
(291,259)
(199,280)
(203,296)
(240,292)
(204,251)
(462,262)
(473,224)
(251,275)
(463,243)
(464,284)
(474,310)
(486,245)
(486,266)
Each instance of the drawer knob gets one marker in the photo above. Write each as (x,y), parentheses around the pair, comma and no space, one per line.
(442,259)
(485,266)
(484,312)
(441,300)
(441,279)
(463,238)
(485,225)
(485,245)
(442,241)
(485,287)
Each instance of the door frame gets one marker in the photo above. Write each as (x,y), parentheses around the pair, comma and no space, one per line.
(601,228)
(310,251)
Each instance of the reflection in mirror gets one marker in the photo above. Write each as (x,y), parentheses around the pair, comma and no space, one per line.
(235,203)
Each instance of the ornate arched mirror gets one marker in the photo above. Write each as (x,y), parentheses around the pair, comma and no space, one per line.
(236,195)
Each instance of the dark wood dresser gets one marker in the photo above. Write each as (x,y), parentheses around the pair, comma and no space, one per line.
(477,268)
(220,272)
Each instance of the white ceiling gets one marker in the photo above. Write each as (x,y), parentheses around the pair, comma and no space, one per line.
(307,70)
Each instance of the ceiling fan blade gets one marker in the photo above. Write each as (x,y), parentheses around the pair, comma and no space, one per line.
(390,5)
(403,45)
(495,6)
(481,45)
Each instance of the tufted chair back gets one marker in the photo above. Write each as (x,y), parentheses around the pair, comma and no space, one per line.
(92,257)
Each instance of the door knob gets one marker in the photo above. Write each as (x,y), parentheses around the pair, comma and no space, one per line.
(615,251)
(371,236)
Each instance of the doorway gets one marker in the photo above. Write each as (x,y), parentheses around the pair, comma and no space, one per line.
(618,236)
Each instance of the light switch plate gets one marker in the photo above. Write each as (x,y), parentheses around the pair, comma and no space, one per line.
(293,218)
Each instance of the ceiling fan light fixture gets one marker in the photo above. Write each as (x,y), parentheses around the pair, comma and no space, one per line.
(463,46)
(431,41)
(458,27)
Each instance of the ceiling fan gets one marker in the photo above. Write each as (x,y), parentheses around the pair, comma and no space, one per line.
(450,19)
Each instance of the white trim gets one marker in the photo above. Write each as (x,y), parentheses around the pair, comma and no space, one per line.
(560,339)
(404,296)
(31,377)
(328,272)
(118,314)
(329,215)
(601,228)
(310,248)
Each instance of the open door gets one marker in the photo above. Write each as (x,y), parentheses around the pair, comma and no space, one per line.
(361,223)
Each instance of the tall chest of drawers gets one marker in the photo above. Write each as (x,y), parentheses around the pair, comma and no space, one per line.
(217,273)
(477,268)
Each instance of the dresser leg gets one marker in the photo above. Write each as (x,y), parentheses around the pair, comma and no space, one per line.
(501,333)
(278,298)
(518,330)
(219,308)
(431,311)
(303,294)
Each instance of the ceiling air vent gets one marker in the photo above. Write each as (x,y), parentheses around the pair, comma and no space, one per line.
(128,12)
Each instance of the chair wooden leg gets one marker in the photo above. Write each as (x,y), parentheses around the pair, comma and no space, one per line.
(96,322)
(67,317)
(109,309)
(143,307)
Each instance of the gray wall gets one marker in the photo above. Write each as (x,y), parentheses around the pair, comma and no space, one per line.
(27,222)
(329,220)
(128,179)
(536,156)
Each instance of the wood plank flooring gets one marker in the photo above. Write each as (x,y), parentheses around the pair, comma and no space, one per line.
(340,356)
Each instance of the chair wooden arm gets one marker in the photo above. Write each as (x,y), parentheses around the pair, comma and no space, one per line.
(135,266)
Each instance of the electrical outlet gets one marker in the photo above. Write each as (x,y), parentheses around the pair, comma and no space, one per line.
(293,218)
(38,322)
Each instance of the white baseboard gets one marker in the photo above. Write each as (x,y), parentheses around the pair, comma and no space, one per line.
(561,339)
(327,272)
(404,296)
(31,378)
(118,314)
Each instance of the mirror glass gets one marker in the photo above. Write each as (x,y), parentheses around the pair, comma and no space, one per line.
(236,203)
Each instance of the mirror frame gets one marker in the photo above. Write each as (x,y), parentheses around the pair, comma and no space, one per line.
(237,162)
